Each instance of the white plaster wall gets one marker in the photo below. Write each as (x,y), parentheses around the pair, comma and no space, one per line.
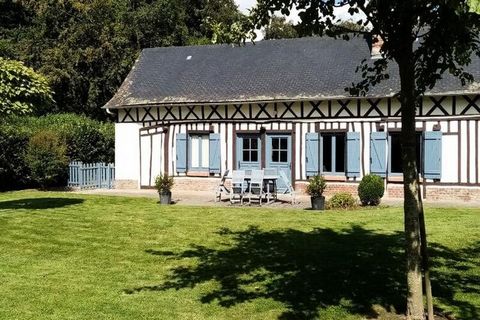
(463,149)
(449,158)
(127,157)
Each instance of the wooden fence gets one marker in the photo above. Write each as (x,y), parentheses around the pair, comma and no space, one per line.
(91,175)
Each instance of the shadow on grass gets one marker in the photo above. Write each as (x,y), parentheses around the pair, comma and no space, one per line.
(354,268)
(39,203)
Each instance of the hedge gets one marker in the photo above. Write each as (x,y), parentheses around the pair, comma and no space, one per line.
(87,140)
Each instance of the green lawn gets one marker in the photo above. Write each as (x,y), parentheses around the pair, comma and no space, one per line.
(66,256)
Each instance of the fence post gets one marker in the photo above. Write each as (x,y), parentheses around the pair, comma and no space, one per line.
(80,174)
(99,174)
(109,182)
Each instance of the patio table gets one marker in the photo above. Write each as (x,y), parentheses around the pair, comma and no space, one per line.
(266,182)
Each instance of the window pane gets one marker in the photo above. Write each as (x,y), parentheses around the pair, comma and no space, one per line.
(254,155)
(205,151)
(246,143)
(275,143)
(340,153)
(283,143)
(254,143)
(194,148)
(246,156)
(274,156)
(283,156)
(395,153)
(327,153)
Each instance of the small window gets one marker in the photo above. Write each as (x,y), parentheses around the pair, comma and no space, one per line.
(333,153)
(250,148)
(395,154)
(280,149)
(199,151)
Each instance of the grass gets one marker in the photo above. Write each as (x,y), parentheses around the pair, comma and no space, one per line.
(66,256)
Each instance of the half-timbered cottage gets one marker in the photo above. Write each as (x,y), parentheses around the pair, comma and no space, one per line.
(197,111)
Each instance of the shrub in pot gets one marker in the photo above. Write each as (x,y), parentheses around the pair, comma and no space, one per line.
(370,190)
(315,188)
(164,184)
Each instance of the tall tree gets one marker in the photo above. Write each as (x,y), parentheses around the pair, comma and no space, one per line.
(86,48)
(424,39)
(279,28)
(22,90)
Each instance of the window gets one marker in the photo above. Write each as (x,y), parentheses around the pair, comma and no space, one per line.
(280,149)
(395,154)
(333,153)
(199,151)
(250,149)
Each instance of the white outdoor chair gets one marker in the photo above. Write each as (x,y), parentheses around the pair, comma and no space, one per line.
(286,181)
(270,187)
(238,186)
(221,188)
(255,191)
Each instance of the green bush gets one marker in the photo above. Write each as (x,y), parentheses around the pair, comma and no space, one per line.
(316,186)
(87,140)
(14,172)
(341,200)
(371,190)
(47,159)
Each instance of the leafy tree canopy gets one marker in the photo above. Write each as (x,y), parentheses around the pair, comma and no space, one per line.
(86,48)
(22,90)
(279,28)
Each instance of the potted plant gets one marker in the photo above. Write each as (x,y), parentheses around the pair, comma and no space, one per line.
(315,188)
(164,184)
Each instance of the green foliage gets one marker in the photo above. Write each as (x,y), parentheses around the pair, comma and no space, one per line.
(86,48)
(22,90)
(279,28)
(371,190)
(163,183)
(47,159)
(341,200)
(316,186)
(474,6)
(87,141)
(14,172)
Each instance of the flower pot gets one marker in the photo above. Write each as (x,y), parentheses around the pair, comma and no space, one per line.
(318,203)
(165,197)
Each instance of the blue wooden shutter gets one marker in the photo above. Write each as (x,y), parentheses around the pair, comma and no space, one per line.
(378,159)
(214,150)
(312,140)
(181,144)
(432,154)
(353,154)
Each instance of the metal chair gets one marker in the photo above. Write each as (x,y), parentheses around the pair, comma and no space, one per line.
(255,190)
(238,186)
(221,188)
(270,186)
(286,181)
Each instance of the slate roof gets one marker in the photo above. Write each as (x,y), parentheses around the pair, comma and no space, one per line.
(271,70)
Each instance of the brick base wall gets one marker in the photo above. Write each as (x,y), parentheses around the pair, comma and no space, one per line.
(195,183)
(332,188)
(393,190)
(434,193)
(125,184)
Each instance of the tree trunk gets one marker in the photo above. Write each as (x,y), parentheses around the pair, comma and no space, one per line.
(412,201)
